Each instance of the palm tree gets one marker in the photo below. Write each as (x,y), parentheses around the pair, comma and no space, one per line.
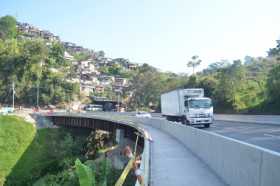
(194,62)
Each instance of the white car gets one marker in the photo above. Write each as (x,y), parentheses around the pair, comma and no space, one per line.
(143,115)
(92,107)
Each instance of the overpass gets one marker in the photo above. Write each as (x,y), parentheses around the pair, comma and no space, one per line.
(180,155)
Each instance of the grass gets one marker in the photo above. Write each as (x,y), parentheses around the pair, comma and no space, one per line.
(46,155)
(27,156)
(15,137)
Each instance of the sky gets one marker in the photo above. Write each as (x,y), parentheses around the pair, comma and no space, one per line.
(162,33)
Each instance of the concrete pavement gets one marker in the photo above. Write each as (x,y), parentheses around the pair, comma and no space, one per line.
(174,165)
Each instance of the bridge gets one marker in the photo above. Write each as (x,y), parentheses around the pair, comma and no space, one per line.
(174,154)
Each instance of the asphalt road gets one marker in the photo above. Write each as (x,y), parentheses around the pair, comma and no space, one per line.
(260,134)
(263,135)
(255,130)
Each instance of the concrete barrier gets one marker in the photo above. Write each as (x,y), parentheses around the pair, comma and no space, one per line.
(236,162)
(270,169)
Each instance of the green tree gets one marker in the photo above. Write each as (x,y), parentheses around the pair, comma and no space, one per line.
(192,82)
(273,85)
(8,28)
(82,56)
(146,88)
(275,51)
(214,67)
(231,81)
(209,84)
(56,54)
(194,62)
(114,70)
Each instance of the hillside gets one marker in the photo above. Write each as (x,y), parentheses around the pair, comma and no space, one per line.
(15,137)
(58,72)
(48,71)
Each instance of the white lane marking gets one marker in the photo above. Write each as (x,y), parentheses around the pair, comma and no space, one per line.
(271,135)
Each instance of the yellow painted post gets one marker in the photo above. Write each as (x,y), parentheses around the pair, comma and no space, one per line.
(125,172)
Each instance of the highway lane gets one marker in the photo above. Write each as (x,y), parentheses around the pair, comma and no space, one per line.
(255,130)
(262,119)
(263,135)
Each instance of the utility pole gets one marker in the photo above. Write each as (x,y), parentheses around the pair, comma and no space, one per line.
(13,86)
(38,89)
(38,84)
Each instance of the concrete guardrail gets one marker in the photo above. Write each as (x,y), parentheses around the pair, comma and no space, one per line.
(236,162)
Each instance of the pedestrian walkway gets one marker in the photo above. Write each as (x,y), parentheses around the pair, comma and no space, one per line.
(174,165)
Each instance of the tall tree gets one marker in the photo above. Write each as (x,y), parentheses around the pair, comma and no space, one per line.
(273,85)
(231,82)
(194,62)
(56,53)
(275,51)
(8,28)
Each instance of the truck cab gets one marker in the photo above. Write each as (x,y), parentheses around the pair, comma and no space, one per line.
(198,111)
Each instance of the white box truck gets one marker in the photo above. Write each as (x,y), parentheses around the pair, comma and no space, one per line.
(188,106)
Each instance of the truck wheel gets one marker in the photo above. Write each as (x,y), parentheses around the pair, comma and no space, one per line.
(185,121)
(207,125)
(168,118)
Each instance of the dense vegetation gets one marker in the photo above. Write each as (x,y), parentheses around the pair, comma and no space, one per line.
(51,151)
(32,65)
(53,156)
(15,136)
(249,86)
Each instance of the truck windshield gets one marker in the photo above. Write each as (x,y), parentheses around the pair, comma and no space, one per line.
(200,103)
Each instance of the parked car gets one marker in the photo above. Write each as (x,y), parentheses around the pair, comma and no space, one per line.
(6,110)
(143,115)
